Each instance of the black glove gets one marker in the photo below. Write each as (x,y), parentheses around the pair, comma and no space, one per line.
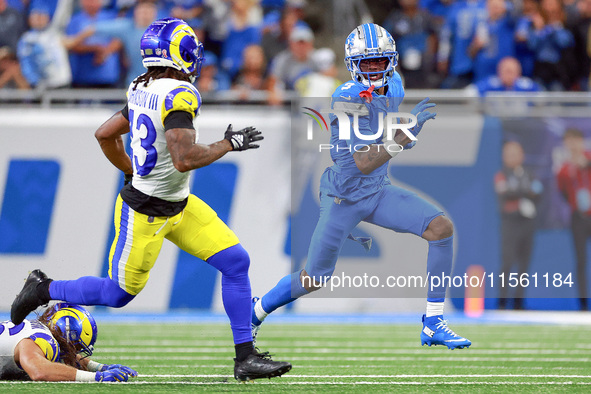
(243,139)
(127,178)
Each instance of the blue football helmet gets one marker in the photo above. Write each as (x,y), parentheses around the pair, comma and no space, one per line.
(366,42)
(77,326)
(171,42)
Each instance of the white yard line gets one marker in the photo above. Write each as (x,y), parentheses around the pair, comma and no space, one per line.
(269,382)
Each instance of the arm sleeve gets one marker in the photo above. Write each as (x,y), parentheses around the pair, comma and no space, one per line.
(125,112)
(178,120)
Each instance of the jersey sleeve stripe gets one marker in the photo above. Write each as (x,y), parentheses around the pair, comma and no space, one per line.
(182,98)
(47,344)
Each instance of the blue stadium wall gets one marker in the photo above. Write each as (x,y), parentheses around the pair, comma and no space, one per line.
(57,193)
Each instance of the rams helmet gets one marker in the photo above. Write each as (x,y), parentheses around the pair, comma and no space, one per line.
(171,42)
(370,41)
(76,324)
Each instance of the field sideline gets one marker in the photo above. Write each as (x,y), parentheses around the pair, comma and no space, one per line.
(504,357)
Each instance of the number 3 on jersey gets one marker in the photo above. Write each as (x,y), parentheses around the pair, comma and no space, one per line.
(147,143)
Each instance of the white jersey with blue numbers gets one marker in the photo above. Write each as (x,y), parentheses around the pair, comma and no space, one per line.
(153,171)
(344,179)
(11,335)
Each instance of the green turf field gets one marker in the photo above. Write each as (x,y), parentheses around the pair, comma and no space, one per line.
(338,358)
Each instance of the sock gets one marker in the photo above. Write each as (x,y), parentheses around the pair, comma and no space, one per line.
(233,264)
(243,350)
(90,290)
(43,291)
(258,313)
(434,308)
(287,290)
(439,263)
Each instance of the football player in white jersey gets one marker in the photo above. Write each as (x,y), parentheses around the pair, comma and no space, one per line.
(55,347)
(156,202)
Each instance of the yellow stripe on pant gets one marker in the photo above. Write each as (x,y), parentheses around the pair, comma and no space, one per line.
(138,239)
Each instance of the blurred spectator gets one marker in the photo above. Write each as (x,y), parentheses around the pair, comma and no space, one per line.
(574,182)
(523,29)
(42,51)
(12,26)
(322,82)
(211,79)
(244,22)
(582,33)
(272,5)
(493,40)
(18,5)
(508,79)
(455,38)
(276,38)
(187,10)
(517,190)
(438,10)
(413,30)
(252,73)
(50,6)
(95,62)
(291,64)
(129,32)
(550,42)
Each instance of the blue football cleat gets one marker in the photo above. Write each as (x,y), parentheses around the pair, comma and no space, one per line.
(436,332)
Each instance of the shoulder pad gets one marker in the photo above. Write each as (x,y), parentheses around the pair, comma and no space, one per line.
(184,97)
(47,343)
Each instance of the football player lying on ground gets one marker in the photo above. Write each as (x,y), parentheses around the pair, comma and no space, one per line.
(156,202)
(357,188)
(55,347)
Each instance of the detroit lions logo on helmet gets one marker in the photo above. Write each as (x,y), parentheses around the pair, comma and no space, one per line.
(370,44)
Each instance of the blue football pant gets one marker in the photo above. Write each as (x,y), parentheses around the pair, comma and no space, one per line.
(393,208)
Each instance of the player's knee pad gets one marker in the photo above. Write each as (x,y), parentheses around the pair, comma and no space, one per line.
(233,261)
(115,296)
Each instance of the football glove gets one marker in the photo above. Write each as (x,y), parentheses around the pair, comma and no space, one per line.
(422,115)
(111,375)
(243,139)
(127,178)
(127,370)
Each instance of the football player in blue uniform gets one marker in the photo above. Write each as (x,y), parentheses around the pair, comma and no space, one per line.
(356,188)
(156,202)
(55,347)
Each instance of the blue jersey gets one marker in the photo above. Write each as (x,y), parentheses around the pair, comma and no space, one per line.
(457,34)
(344,179)
(84,70)
(494,84)
(500,44)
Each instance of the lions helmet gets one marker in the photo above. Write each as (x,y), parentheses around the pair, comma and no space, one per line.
(77,326)
(170,42)
(366,42)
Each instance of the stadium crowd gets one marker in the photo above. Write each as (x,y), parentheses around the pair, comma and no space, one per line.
(270,44)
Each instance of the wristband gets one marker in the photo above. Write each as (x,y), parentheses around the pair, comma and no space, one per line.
(392,147)
(85,376)
(93,366)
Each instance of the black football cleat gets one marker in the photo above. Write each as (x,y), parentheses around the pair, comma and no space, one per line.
(259,365)
(28,299)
